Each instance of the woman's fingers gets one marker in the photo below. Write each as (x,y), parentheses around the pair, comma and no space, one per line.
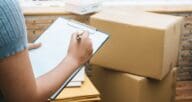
(33,46)
(80,47)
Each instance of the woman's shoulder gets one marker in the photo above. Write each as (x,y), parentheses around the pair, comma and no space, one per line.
(6,3)
(12,28)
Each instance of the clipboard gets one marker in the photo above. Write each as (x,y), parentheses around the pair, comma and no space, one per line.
(55,42)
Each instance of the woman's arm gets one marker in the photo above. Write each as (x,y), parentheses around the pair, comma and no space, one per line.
(17,81)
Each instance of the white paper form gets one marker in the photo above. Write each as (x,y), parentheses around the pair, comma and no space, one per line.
(55,41)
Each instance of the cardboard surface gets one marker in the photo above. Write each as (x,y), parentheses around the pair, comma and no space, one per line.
(122,87)
(96,99)
(86,92)
(141,43)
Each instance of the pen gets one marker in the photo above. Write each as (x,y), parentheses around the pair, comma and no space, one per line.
(79,34)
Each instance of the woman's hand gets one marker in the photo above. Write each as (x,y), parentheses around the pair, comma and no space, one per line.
(81,50)
(33,46)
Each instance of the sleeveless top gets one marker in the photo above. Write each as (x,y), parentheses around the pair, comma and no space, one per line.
(13,36)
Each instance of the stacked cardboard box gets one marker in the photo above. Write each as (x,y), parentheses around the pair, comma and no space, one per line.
(123,87)
(142,45)
(86,93)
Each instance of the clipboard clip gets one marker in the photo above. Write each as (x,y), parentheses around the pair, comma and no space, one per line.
(81,26)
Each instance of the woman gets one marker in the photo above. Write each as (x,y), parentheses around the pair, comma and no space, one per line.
(17,81)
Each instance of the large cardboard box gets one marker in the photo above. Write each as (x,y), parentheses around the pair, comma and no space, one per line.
(122,87)
(141,43)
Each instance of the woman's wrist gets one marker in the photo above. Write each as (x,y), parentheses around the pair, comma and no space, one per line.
(74,62)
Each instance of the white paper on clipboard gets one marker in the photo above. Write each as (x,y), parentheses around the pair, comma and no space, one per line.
(55,41)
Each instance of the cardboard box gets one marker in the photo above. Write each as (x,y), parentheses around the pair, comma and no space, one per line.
(122,87)
(141,43)
(86,93)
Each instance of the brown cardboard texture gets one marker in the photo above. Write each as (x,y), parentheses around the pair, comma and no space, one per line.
(86,93)
(141,43)
(122,87)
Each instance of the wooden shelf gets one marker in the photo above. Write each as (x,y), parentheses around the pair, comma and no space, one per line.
(184,91)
